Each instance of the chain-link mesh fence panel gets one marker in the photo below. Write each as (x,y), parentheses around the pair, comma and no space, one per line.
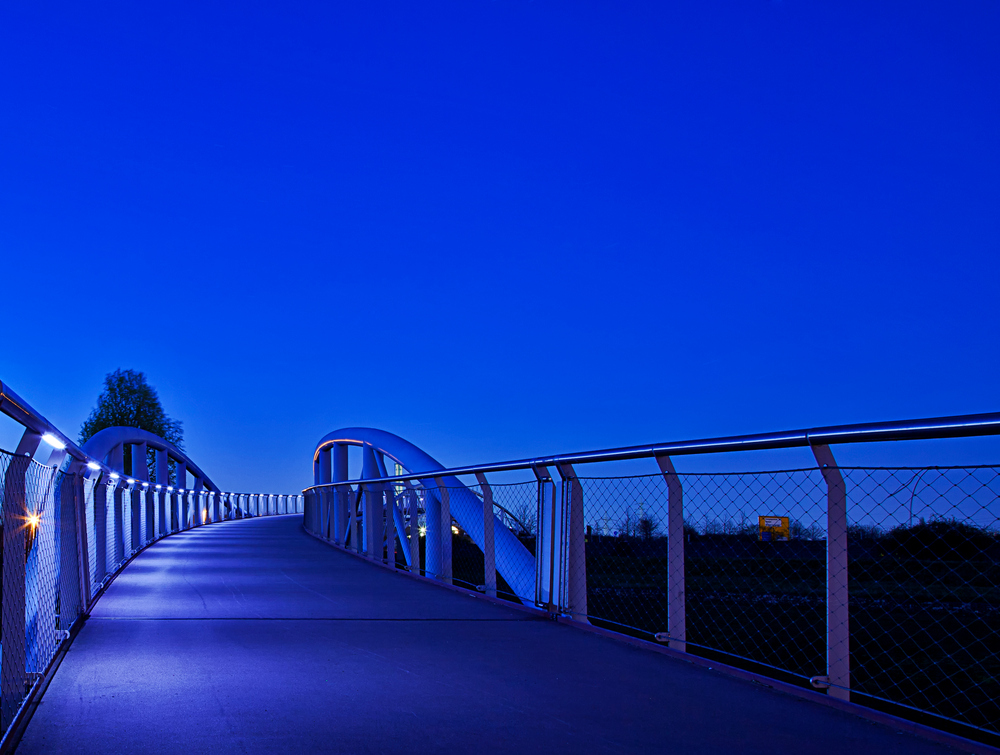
(411,501)
(69,605)
(758,592)
(40,570)
(758,599)
(924,548)
(923,555)
(27,619)
(467,564)
(515,506)
(110,540)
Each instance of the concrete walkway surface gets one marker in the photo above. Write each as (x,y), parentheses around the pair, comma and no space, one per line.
(253,637)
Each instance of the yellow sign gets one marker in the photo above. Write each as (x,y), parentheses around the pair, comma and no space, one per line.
(773,528)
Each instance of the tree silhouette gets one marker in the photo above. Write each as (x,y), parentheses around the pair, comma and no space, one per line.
(129,401)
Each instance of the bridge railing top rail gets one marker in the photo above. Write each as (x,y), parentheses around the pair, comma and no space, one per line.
(962,426)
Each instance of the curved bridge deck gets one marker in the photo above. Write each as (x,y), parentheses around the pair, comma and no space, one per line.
(251,636)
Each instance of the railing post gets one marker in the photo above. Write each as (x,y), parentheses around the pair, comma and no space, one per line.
(162,480)
(838,627)
(140,472)
(341,494)
(676,590)
(489,549)
(372,534)
(390,525)
(173,510)
(161,511)
(323,500)
(137,507)
(150,513)
(372,508)
(414,511)
(180,469)
(574,561)
(118,512)
(545,542)
(352,517)
(197,501)
(445,532)
(12,650)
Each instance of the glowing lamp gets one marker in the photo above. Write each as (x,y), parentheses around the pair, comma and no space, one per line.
(53,441)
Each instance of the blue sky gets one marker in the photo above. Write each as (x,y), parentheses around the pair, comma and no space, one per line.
(501,228)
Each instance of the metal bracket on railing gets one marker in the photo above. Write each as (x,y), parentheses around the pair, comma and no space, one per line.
(545,541)
(676,589)
(572,578)
(838,633)
(489,548)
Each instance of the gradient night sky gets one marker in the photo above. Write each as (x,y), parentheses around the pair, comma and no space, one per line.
(500,228)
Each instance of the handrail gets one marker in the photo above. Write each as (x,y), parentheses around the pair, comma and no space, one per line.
(968,425)
(22,412)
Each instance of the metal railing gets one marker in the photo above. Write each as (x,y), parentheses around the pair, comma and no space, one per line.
(875,584)
(69,526)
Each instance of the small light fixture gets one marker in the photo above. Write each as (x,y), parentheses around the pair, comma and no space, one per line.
(130,481)
(93,465)
(114,475)
(145,484)
(170,489)
(53,441)
(33,520)
(158,487)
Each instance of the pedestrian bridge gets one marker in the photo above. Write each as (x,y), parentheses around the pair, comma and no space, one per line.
(601,601)
(252,636)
